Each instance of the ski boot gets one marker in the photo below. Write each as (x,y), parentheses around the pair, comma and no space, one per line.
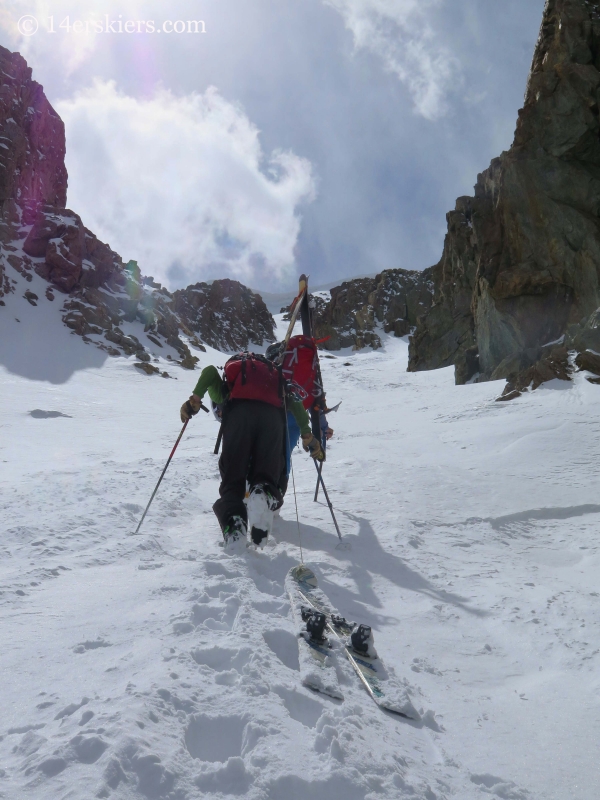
(362,641)
(235,536)
(316,622)
(261,506)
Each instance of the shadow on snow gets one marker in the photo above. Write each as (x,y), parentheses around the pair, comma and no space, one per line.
(366,558)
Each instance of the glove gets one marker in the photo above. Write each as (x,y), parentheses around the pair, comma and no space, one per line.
(312,445)
(190,408)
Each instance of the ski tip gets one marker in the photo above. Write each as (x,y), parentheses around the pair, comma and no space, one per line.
(302,573)
(315,683)
(400,707)
(397,713)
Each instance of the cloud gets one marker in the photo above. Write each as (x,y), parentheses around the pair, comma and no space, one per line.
(400,33)
(182,185)
(69,50)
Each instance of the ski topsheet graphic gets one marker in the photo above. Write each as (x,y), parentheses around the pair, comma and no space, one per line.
(316,619)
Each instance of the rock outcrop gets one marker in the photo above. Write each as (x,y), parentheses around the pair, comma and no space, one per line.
(100,293)
(521,259)
(225,314)
(550,363)
(32,139)
(32,152)
(392,302)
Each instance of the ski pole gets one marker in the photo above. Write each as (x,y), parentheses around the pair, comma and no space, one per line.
(324,446)
(319,469)
(337,527)
(165,469)
(162,475)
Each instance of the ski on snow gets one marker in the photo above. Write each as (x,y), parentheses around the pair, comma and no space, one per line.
(318,655)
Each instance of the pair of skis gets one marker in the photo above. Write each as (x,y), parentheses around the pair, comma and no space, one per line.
(318,653)
(295,307)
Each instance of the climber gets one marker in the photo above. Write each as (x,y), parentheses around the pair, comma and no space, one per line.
(254,397)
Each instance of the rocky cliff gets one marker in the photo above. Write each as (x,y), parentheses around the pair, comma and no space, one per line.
(32,152)
(32,142)
(225,314)
(390,302)
(521,260)
(99,293)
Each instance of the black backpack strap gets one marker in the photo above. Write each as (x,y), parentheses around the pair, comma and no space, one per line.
(243,369)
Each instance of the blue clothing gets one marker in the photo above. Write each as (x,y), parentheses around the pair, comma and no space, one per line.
(323,425)
(293,434)
(291,440)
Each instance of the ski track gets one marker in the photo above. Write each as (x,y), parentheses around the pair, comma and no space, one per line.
(156,666)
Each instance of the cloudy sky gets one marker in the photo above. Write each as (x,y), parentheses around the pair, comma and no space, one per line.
(324,136)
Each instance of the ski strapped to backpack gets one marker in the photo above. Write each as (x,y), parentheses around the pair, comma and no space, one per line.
(296,307)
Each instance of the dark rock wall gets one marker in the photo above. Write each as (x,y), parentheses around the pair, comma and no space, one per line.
(522,258)
(444,333)
(391,301)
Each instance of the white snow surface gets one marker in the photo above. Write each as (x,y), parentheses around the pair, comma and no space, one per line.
(157,666)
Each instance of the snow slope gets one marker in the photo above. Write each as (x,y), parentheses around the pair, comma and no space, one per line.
(158,667)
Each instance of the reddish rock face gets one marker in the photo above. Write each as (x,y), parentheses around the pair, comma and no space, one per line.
(102,292)
(60,239)
(32,158)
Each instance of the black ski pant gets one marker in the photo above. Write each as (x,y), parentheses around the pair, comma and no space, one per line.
(253,451)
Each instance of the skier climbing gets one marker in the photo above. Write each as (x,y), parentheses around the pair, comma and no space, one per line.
(300,361)
(292,428)
(254,396)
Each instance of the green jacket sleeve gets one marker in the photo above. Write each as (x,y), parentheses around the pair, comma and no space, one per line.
(300,415)
(210,381)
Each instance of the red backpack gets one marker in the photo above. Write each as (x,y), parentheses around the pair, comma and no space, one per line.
(300,363)
(253,377)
